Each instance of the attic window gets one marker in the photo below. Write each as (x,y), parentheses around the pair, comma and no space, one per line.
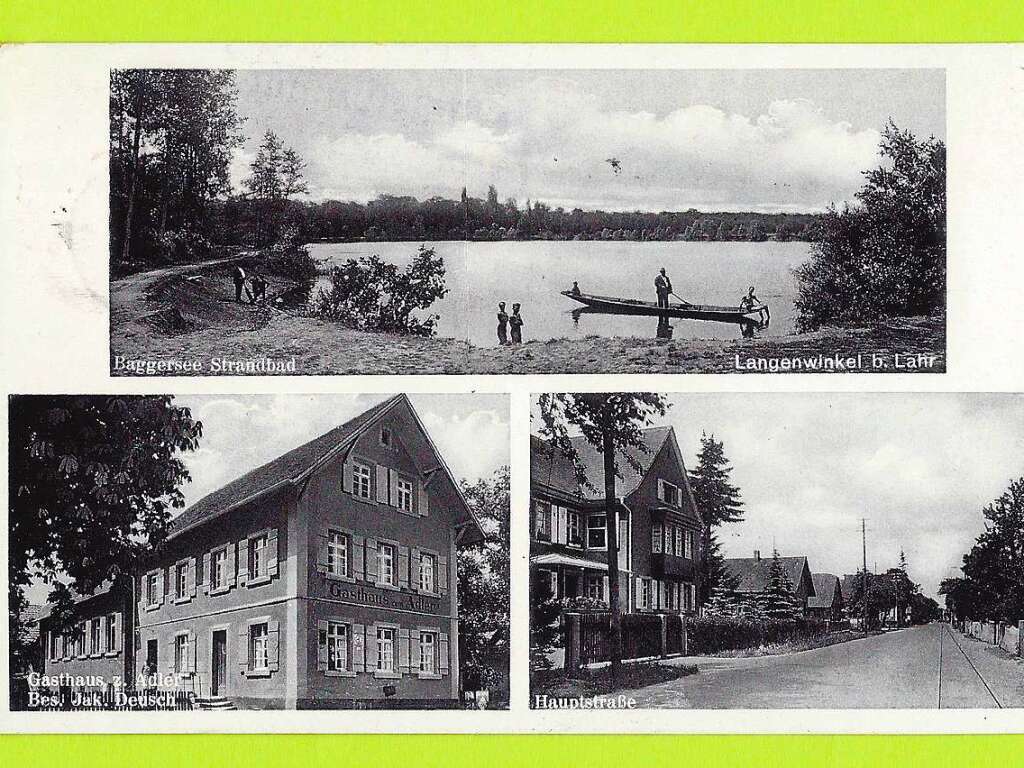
(385,437)
(669,493)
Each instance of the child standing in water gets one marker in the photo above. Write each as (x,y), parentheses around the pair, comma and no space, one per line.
(516,322)
(502,324)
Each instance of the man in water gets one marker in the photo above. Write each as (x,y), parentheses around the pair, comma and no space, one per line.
(516,322)
(750,301)
(502,324)
(664,287)
(238,277)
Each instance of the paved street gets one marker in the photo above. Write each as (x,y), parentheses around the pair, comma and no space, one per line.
(921,667)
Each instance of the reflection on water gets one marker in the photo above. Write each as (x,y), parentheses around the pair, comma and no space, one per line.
(479,275)
(664,329)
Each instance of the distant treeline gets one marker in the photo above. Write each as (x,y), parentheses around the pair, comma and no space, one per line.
(390,217)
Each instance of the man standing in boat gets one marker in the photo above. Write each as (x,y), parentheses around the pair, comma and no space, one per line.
(664,287)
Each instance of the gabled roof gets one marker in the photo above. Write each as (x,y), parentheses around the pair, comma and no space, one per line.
(295,465)
(77,597)
(751,573)
(551,468)
(825,587)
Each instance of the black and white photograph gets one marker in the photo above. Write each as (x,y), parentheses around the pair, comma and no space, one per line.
(818,551)
(226,552)
(504,221)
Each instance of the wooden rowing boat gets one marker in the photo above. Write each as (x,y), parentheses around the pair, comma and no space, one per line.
(615,306)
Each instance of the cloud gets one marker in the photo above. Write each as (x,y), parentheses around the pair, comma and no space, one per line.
(549,140)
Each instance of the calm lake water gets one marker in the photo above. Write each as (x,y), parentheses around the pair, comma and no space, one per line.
(532,273)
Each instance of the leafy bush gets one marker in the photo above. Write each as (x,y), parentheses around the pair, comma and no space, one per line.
(885,256)
(583,604)
(289,258)
(713,634)
(182,246)
(371,294)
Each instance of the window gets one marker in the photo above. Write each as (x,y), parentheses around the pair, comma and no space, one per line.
(111,644)
(259,655)
(152,598)
(94,636)
(597,534)
(404,500)
(688,551)
(337,553)
(542,521)
(656,538)
(181,581)
(595,587)
(181,654)
(386,565)
(428,647)
(337,647)
(385,649)
(258,556)
(54,644)
(670,493)
(575,534)
(428,565)
(678,550)
(219,569)
(645,594)
(385,437)
(362,481)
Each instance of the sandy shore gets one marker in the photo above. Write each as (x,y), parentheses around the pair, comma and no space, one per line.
(164,320)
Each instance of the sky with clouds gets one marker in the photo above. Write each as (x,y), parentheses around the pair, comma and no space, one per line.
(711,139)
(919,467)
(242,432)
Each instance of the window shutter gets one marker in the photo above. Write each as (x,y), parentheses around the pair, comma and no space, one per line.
(321,550)
(661,489)
(656,538)
(190,662)
(191,581)
(357,557)
(414,569)
(243,562)
(639,592)
(274,644)
(403,651)
(272,552)
(243,647)
(371,560)
(321,645)
(604,588)
(119,632)
(382,484)
(393,486)
(346,476)
(358,648)
(442,653)
(207,579)
(414,652)
(403,567)
(442,575)
(423,508)
(160,580)
(169,663)
(231,565)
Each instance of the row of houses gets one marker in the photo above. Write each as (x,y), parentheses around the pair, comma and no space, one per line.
(660,532)
(324,578)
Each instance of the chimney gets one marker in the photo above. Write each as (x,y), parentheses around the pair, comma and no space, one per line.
(757,555)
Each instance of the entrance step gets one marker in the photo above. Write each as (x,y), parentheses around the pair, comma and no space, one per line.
(216,703)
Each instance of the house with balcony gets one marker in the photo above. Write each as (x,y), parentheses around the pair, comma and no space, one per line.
(658,524)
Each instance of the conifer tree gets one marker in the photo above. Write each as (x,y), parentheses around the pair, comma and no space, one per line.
(719,502)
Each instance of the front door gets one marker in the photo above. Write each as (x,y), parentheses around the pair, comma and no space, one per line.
(151,659)
(220,662)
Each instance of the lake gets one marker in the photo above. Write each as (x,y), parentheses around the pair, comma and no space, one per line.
(480,274)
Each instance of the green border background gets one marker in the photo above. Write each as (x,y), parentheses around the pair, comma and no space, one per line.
(711,21)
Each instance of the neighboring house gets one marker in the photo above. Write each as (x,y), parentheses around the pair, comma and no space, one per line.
(30,617)
(325,578)
(826,604)
(751,574)
(658,523)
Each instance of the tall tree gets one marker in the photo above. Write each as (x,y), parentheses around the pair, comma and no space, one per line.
(778,598)
(92,482)
(719,502)
(613,423)
(995,564)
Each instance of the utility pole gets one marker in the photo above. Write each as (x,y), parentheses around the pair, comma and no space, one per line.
(864,578)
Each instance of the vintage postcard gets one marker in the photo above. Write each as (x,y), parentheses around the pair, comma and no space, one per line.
(258,552)
(829,551)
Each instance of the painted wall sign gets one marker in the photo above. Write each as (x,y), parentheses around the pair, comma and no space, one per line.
(361,594)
